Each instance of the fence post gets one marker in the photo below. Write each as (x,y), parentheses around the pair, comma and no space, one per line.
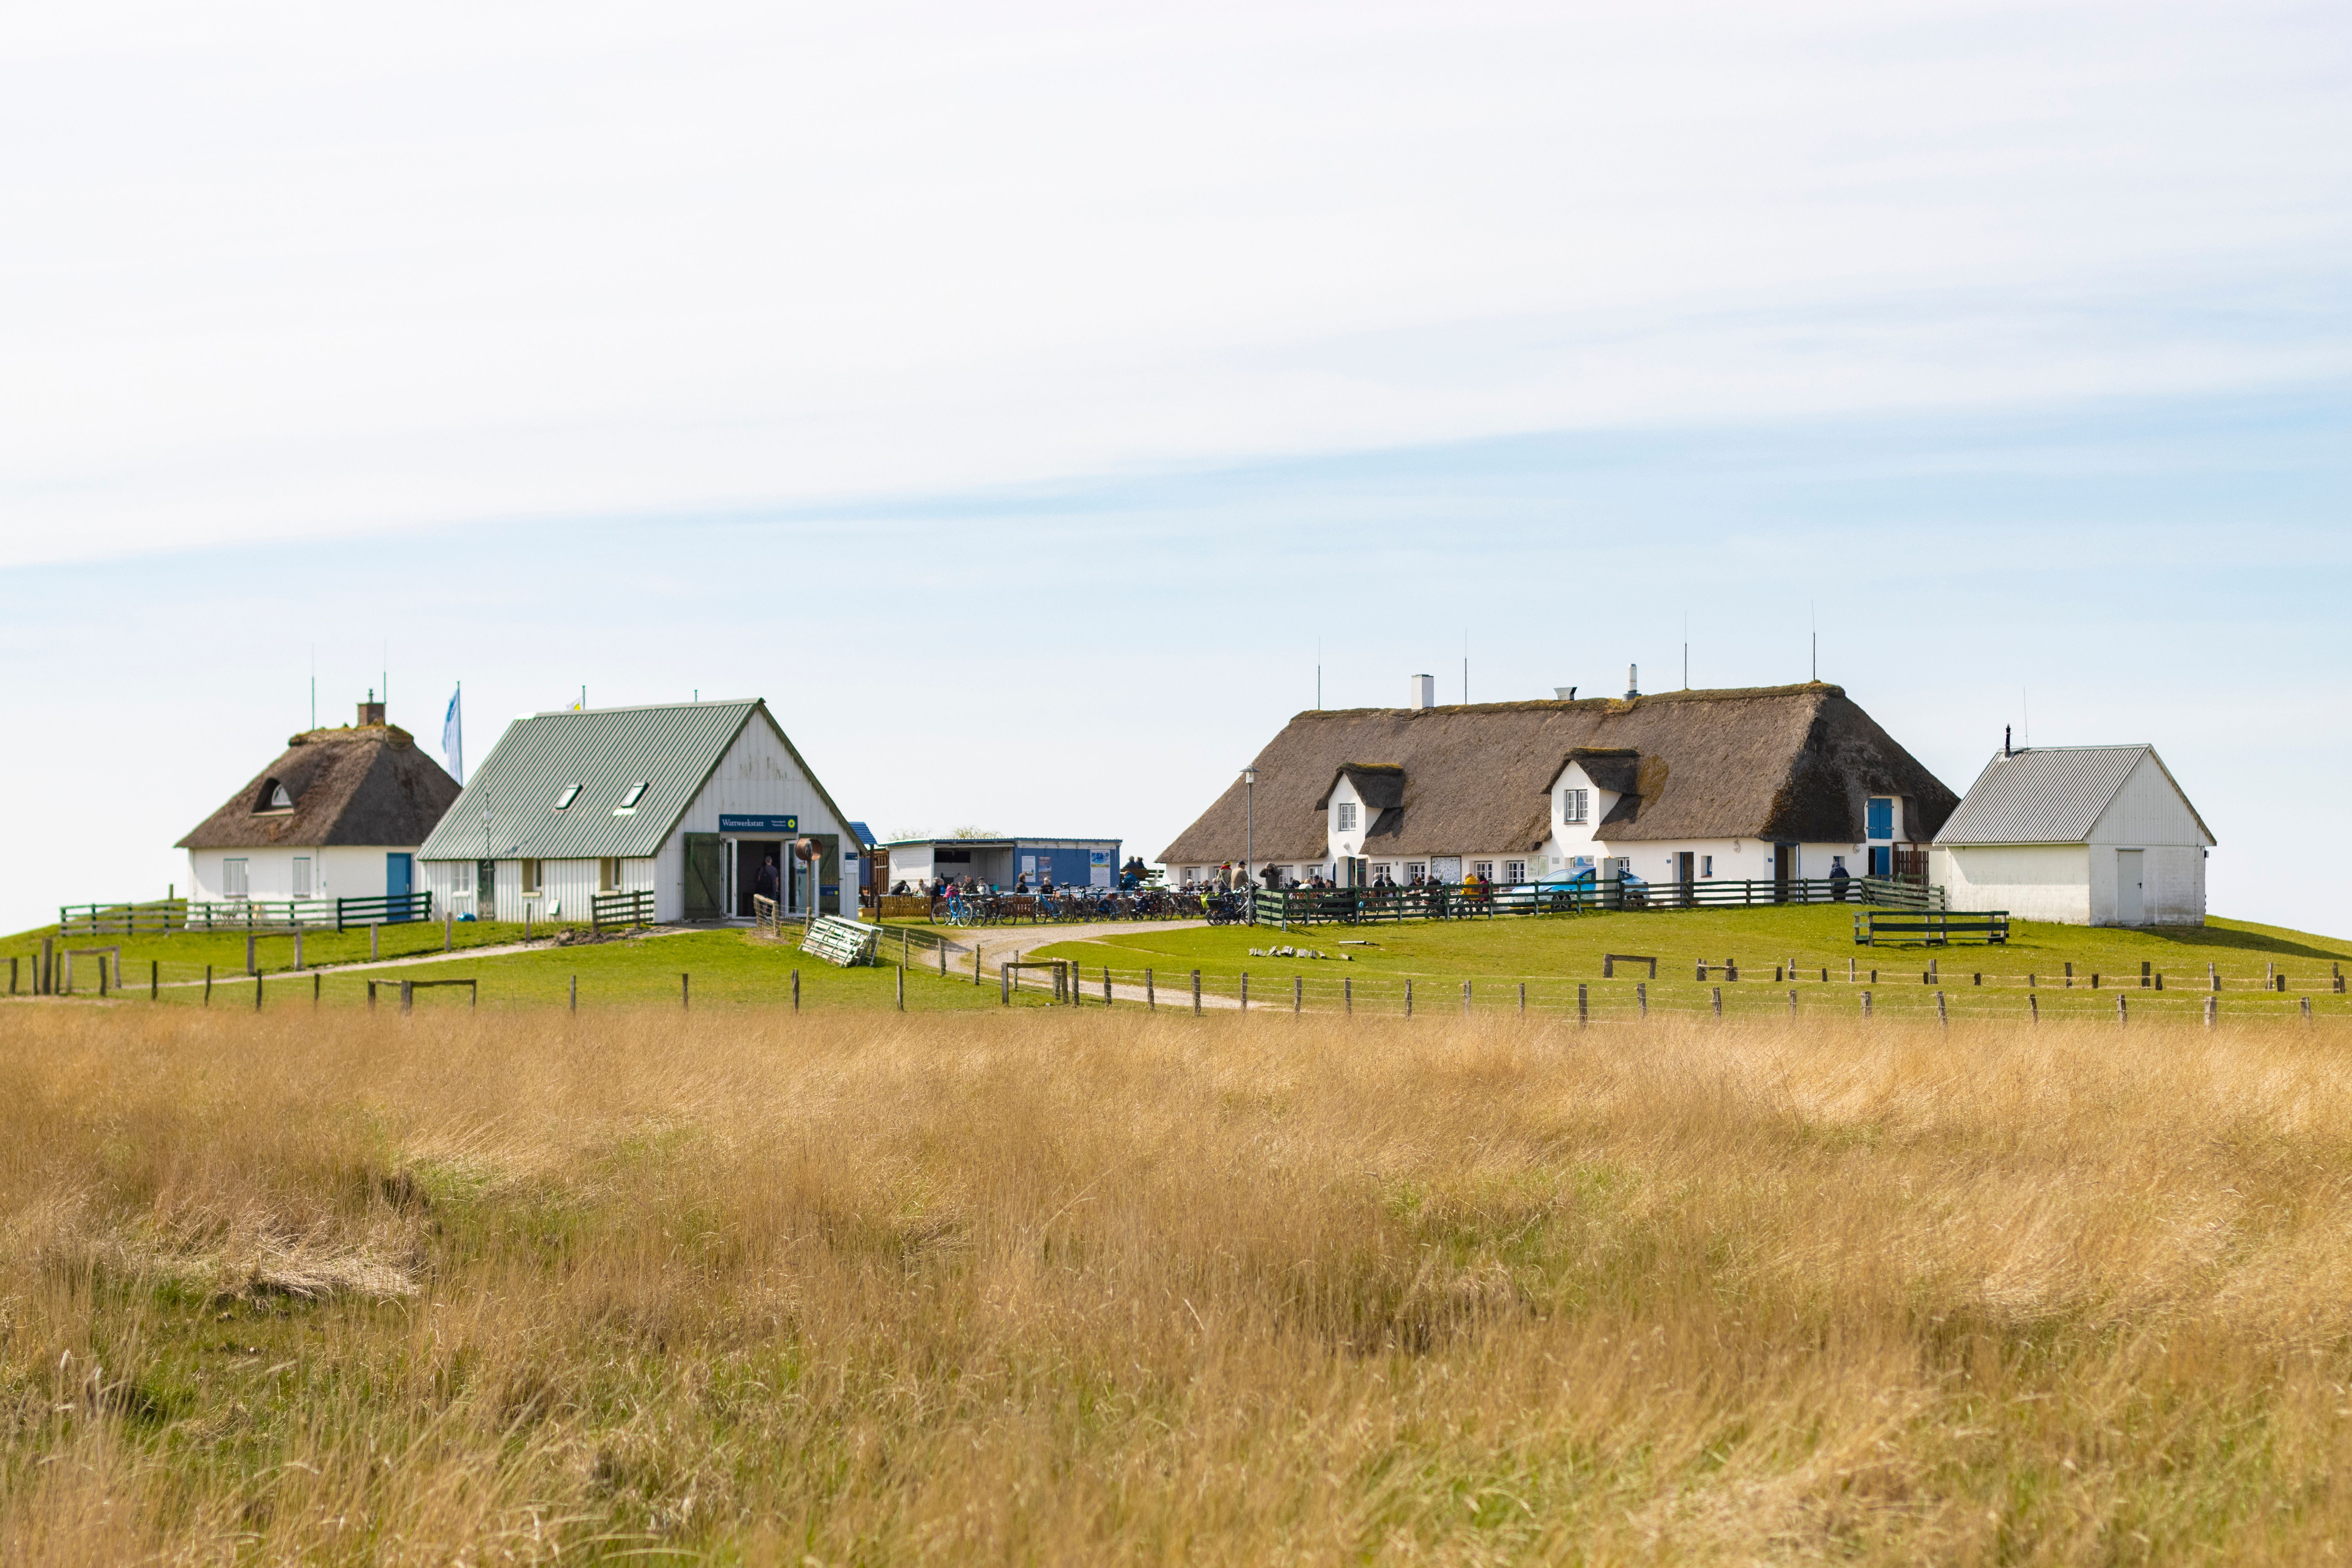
(1465,998)
(2122,1014)
(902,987)
(1151,999)
(2032,1008)
(2306,1009)
(448,925)
(1297,993)
(318,983)
(250,967)
(944,958)
(1865,1004)
(154,979)
(208,984)
(1004,984)
(1941,1017)
(1792,1004)
(575,993)
(975,962)
(2144,966)
(685,992)
(1583,1013)
(1848,972)
(1523,999)
(1244,990)
(257,992)
(796,990)
(2212,1009)
(1196,993)
(1642,997)
(298,948)
(1347,995)
(1718,1001)
(1105,984)
(407,995)
(1408,998)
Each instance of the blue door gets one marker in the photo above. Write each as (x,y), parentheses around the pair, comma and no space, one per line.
(399,871)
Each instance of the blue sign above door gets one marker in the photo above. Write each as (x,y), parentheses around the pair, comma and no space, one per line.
(759,824)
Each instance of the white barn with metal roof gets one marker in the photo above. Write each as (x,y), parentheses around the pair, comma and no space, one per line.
(2078,835)
(689,801)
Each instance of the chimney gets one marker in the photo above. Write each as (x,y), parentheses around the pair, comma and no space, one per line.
(2004,741)
(1424,691)
(1633,680)
(370,711)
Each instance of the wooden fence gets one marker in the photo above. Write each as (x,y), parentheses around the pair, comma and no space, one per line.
(167,915)
(1362,906)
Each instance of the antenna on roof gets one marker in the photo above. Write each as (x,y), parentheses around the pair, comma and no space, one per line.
(1465,666)
(1319,675)
(1814,619)
(1685,650)
(314,686)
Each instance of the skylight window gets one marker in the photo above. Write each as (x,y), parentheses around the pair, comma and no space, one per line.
(571,793)
(636,792)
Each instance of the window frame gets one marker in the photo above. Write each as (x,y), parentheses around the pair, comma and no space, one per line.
(608,874)
(1706,866)
(302,878)
(1576,805)
(534,877)
(1513,872)
(241,876)
(1344,815)
(632,795)
(566,796)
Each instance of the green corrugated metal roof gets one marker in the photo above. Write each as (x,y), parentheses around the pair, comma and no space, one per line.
(670,749)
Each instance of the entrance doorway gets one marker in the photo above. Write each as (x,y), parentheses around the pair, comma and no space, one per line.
(754,856)
(1784,871)
(2131,894)
(1687,873)
(486,890)
(399,876)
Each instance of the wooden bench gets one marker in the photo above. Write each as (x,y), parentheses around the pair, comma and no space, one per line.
(1932,928)
(841,943)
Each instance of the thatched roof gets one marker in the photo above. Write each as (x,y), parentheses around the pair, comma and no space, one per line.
(1791,764)
(365,785)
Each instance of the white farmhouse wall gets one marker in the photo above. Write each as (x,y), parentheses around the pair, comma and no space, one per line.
(337,871)
(2147,811)
(2032,881)
(756,778)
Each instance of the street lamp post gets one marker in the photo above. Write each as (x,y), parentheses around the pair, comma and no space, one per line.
(1249,842)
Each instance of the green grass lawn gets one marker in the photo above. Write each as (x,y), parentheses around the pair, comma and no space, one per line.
(1775,948)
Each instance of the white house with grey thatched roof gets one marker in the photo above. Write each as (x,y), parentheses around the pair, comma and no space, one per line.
(2079,835)
(692,802)
(1774,785)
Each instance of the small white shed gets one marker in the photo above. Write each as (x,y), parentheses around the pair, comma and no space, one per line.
(2079,835)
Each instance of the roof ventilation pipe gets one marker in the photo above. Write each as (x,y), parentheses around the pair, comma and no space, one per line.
(1424,691)
(1633,680)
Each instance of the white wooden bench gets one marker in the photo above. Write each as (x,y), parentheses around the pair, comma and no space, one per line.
(841,943)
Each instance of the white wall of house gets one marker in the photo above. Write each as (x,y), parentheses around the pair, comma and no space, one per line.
(337,871)
(2032,881)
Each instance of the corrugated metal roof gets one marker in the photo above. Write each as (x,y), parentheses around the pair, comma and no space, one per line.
(2053,796)
(670,749)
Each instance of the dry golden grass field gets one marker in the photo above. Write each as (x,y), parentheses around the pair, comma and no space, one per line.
(1030,1286)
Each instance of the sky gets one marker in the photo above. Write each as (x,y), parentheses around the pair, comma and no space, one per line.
(1024,397)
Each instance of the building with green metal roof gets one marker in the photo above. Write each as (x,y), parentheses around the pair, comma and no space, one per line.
(696,802)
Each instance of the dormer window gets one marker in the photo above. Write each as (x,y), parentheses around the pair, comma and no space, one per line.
(636,792)
(1345,821)
(1575,804)
(274,798)
(569,794)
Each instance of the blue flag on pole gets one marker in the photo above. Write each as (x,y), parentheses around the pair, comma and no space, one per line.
(453,735)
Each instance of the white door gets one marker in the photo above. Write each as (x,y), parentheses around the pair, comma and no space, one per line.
(2131,901)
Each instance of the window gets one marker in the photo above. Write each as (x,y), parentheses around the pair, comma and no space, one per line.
(1416,870)
(1347,816)
(1575,804)
(301,876)
(1880,815)
(1707,865)
(232,878)
(608,875)
(531,878)
(636,792)
(1515,872)
(1485,868)
(274,798)
(571,793)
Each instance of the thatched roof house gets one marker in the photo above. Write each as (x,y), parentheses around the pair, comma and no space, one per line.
(1703,773)
(365,789)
